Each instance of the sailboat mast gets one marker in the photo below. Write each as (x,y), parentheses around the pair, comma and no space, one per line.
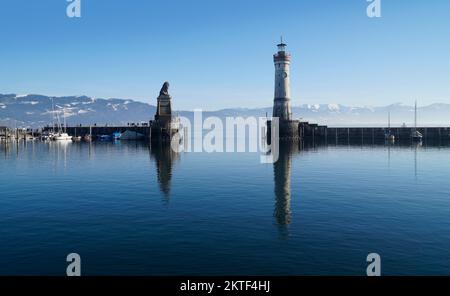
(59,122)
(389,120)
(53,116)
(64,114)
(415,116)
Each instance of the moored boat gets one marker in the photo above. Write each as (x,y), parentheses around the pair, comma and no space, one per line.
(116,136)
(104,138)
(417,136)
(62,137)
(388,136)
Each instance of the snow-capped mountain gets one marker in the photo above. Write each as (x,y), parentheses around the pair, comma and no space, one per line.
(38,110)
(339,115)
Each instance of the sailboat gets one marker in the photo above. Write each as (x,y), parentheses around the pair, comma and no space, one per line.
(50,134)
(62,135)
(416,135)
(388,135)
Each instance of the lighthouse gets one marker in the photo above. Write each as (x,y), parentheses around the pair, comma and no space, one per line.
(282,101)
(288,128)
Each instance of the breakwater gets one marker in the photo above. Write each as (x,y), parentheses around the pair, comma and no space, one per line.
(369,134)
(307,131)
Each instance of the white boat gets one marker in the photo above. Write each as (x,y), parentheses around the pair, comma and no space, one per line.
(62,134)
(62,137)
(417,136)
(47,136)
(390,138)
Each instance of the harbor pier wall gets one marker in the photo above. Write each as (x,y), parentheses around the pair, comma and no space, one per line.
(307,131)
(369,134)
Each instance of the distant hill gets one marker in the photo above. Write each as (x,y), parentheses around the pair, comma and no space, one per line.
(36,111)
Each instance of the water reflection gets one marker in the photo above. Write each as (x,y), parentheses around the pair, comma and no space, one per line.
(164,158)
(282,178)
(283,169)
(416,146)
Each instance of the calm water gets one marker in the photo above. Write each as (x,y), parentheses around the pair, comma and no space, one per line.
(131,210)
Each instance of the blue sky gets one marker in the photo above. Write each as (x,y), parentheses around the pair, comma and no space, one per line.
(218,54)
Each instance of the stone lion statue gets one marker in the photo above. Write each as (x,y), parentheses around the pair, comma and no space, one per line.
(165,89)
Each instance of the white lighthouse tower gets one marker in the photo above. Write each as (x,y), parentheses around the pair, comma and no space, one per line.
(282,101)
(288,128)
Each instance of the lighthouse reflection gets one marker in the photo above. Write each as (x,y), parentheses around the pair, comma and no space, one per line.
(164,158)
(282,179)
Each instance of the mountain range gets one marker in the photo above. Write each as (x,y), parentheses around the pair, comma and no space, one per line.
(39,110)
